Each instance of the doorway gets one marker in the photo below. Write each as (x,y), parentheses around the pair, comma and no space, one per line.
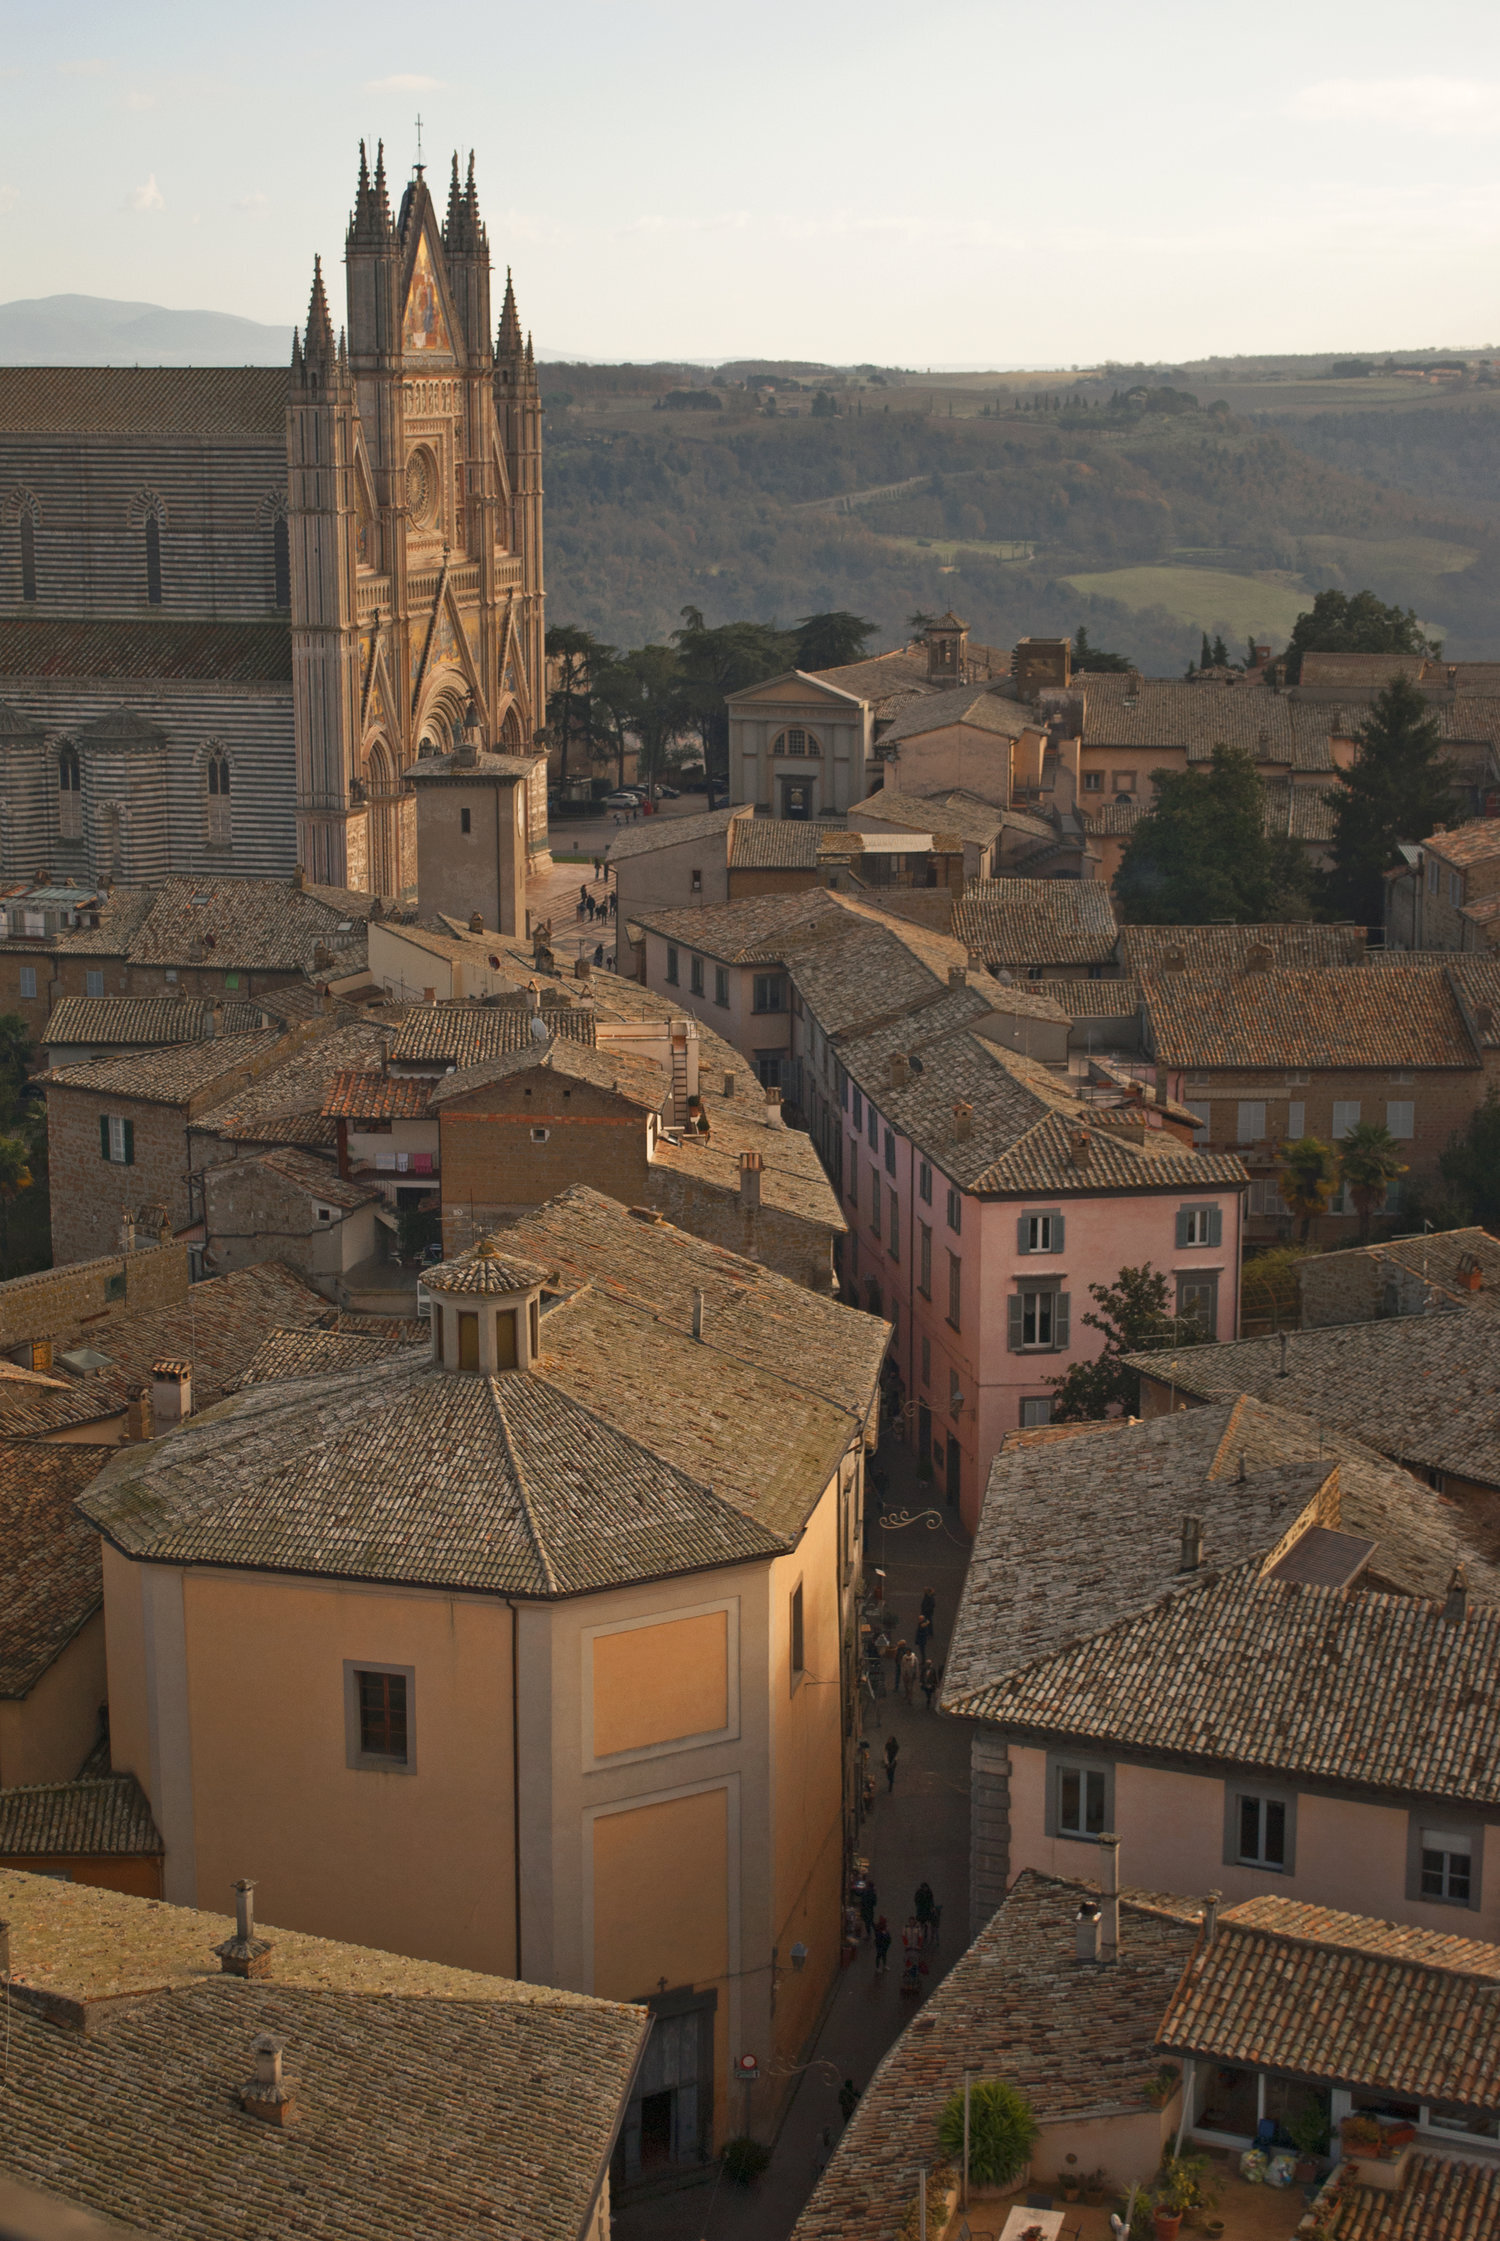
(656,2130)
(669,2122)
(796,797)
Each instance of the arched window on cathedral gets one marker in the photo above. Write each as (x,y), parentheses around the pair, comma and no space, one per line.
(216,801)
(69,795)
(281,560)
(153,560)
(796,742)
(28,554)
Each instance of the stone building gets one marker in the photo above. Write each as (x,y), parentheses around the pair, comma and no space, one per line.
(237,603)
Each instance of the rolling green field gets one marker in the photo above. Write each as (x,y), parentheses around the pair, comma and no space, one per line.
(1206,598)
(1371,556)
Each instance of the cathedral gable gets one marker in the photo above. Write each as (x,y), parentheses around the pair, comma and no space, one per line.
(426,326)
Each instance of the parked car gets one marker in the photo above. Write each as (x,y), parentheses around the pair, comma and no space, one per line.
(624,799)
(669,793)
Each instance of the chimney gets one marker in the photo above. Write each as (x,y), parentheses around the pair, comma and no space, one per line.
(728,1082)
(773,1109)
(216,1018)
(1086,1931)
(957,977)
(963,1123)
(138,1416)
(429,995)
(1470,1273)
(1082,1147)
(1211,1918)
(900,1069)
(1191,1558)
(1484,1017)
(322,957)
(1173,961)
(583,969)
(1281,1369)
(245,1954)
(1456,1601)
(1258,958)
(171,1393)
(268,2096)
(476,922)
(698,1306)
(299,879)
(533,996)
(1109,1936)
(751,1164)
(127,1230)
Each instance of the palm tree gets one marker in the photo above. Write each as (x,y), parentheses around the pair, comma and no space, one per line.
(1371,1163)
(15,1177)
(1308,1179)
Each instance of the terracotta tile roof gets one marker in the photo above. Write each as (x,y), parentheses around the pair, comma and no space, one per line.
(1037,922)
(1478,842)
(106,1816)
(49,1559)
(793,1179)
(1146,949)
(1419,1388)
(221,653)
(1362,672)
(314,1353)
(1439,2194)
(639,1080)
(746,932)
(437,769)
(145,1019)
(509,2096)
(1295,812)
(1240,1669)
(1440,1260)
(1306,1018)
(319,1178)
(1115,1496)
(167,1074)
(665,832)
(1079,2043)
(233,925)
(1476,979)
(445,1035)
(1096,999)
(1343,1999)
(285,1104)
(774,844)
(365,1093)
(146,400)
(486,1270)
(953,814)
(980,707)
(874,968)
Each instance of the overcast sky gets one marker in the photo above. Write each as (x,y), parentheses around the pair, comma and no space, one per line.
(939,183)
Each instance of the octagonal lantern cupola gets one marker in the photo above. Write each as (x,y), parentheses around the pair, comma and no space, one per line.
(486,1310)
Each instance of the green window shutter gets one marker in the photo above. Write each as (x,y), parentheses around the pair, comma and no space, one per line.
(104,1135)
(1215,1225)
(1062,1316)
(130,1143)
(1021,1244)
(1182,1224)
(1014,1338)
(1059,1231)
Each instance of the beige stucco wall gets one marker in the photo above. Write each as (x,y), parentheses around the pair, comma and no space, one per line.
(125,1641)
(1125,2148)
(46,1736)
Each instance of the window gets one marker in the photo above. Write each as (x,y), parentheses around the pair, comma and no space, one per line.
(1434,874)
(1079,1798)
(1093,781)
(768,993)
(1456,889)
(281,563)
(924,1183)
(506,1338)
(468,1341)
(1296,1081)
(1261,1831)
(721,985)
(796,742)
(216,820)
(153,561)
(872,1127)
(69,795)
(798,1641)
(28,554)
(695,975)
(116,1140)
(1296,1118)
(1401,1118)
(93,984)
(955,1394)
(465,821)
(890,1153)
(1198,1301)
(893,1227)
(672,964)
(1036,1409)
(379,1717)
(1039,1321)
(955,1289)
(875,1201)
(1250,1120)
(28,980)
(854,1171)
(955,1210)
(325,1213)
(1202,1112)
(1199,1225)
(1448,1866)
(857,1110)
(924,1260)
(927,1361)
(695,882)
(1345,1116)
(1040,1233)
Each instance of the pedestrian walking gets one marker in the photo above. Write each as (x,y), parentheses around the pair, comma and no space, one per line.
(583,890)
(848,2099)
(864,1899)
(598,868)
(924,1906)
(578,907)
(613,901)
(929,1603)
(599,960)
(909,1672)
(892,1753)
(590,906)
(924,1634)
(882,1945)
(930,1679)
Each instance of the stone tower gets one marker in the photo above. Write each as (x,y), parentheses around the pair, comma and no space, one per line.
(414,449)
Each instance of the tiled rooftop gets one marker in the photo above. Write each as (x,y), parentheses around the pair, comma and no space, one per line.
(107,1816)
(443,1035)
(49,1559)
(167,1074)
(747,932)
(498,2115)
(980,707)
(1284,1017)
(223,653)
(963,816)
(146,400)
(146,1019)
(619,1072)
(318,1178)
(285,1104)
(1439,2195)
(365,1093)
(1478,842)
(774,844)
(1419,1388)
(1222,949)
(1037,922)
(314,1353)
(233,925)
(709,826)
(1079,2043)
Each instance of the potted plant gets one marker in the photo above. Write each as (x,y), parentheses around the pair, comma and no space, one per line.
(1182,2186)
(1308,2133)
(1360,2134)
(745,2159)
(1068,2182)
(1161,2086)
(1002,2133)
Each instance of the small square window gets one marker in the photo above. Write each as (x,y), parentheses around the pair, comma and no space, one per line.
(1262,1831)
(465,821)
(1093,781)
(1082,1796)
(28,980)
(379,1714)
(325,1213)
(1036,1409)
(1447,1866)
(695,882)
(93,984)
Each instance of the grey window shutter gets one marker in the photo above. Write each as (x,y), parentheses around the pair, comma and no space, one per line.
(1215,1225)
(1021,1245)
(104,1135)
(1059,1231)
(1182,1222)
(1014,1304)
(130,1143)
(1060,1321)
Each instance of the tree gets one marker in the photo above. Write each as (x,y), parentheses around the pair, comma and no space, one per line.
(575,658)
(713,662)
(829,641)
(823,406)
(1094,658)
(1357,623)
(642,694)
(1371,1161)
(1307,1180)
(1134,1318)
(15,1177)
(1002,2131)
(1202,852)
(1471,1164)
(1221,654)
(1205,654)
(1396,790)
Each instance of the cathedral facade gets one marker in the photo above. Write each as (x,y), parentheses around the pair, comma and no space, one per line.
(238,603)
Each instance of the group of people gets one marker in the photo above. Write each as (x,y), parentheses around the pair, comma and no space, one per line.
(911,1663)
(592,907)
(921,1933)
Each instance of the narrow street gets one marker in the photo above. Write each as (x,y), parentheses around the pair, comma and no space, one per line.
(918,1832)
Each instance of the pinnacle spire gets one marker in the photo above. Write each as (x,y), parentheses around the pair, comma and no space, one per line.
(319,342)
(453,224)
(371,221)
(382,201)
(508,342)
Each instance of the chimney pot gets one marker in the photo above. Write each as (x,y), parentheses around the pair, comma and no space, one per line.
(698,1314)
(963,1123)
(171,1393)
(268,2096)
(957,976)
(900,1069)
(139,1423)
(476,922)
(728,1082)
(773,1109)
(245,1954)
(1211,1917)
(751,1164)
(127,1230)
(1082,1147)
(583,968)
(1192,1545)
(1456,1602)
(1087,1929)
(429,995)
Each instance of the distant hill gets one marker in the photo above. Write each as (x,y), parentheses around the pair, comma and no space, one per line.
(99,331)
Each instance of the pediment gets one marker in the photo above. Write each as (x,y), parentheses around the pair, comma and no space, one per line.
(795,689)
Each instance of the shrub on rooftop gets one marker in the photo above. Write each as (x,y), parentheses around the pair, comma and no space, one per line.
(1002,2132)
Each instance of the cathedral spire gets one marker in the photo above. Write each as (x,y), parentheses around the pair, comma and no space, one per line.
(454,228)
(477,235)
(371,222)
(508,342)
(382,200)
(319,351)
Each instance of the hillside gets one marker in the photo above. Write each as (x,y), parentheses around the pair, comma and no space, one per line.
(100,331)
